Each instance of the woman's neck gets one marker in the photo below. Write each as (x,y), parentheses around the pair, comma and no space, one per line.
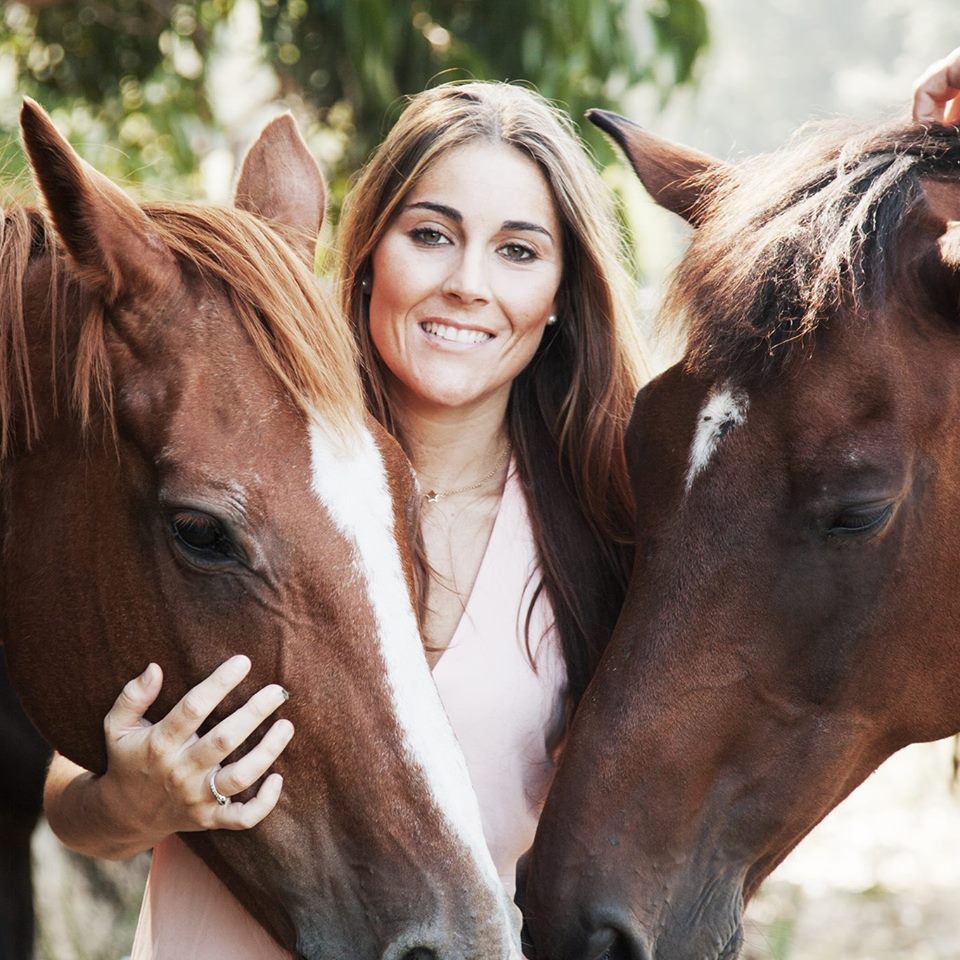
(451,447)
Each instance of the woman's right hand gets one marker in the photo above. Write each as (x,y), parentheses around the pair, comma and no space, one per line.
(158,775)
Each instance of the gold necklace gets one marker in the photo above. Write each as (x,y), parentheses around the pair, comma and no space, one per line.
(432,496)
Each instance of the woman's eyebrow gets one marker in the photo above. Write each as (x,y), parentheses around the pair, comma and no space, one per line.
(440,208)
(455,215)
(526,225)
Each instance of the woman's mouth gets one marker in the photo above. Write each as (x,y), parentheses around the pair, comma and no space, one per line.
(454,334)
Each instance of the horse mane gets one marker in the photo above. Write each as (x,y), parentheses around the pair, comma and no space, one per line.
(792,239)
(296,331)
(22,236)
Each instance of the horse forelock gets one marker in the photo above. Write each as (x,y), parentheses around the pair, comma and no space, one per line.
(293,326)
(24,238)
(16,236)
(797,239)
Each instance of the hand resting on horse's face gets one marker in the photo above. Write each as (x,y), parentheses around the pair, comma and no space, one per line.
(157,775)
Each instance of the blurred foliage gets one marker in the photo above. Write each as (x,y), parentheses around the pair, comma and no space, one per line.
(132,80)
(124,80)
(368,53)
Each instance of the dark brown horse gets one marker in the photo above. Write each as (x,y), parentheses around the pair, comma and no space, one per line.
(188,473)
(794,612)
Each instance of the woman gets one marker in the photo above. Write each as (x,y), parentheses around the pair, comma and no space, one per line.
(481,271)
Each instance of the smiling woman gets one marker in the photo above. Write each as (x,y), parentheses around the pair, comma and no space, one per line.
(480,269)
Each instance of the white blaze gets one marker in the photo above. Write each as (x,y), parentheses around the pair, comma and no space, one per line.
(352,485)
(725,408)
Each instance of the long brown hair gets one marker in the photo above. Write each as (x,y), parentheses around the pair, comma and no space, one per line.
(569,408)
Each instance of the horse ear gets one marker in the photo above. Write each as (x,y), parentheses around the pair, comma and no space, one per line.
(670,172)
(280,181)
(108,237)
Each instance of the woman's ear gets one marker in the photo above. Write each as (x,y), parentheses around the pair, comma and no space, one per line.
(280,181)
(673,174)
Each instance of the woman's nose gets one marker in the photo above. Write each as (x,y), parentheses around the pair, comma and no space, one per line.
(467,280)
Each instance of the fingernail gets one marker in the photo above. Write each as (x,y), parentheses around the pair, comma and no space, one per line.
(285,692)
(147,676)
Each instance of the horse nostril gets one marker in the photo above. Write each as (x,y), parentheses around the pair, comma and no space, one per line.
(419,953)
(609,944)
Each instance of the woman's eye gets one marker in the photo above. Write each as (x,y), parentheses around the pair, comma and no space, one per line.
(428,236)
(201,534)
(517,252)
(860,520)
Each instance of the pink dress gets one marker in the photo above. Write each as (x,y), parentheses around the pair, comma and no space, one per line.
(501,710)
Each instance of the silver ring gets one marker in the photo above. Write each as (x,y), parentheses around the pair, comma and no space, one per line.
(212,784)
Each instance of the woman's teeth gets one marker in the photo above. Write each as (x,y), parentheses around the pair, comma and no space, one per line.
(455,334)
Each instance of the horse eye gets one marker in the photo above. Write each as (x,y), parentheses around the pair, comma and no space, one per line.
(860,520)
(200,533)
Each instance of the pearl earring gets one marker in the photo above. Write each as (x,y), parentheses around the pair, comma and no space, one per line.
(365,285)
(552,319)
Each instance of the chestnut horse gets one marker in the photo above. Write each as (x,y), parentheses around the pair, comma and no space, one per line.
(188,473)
(794,612)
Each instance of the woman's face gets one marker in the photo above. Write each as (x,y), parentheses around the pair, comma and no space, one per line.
(464,279)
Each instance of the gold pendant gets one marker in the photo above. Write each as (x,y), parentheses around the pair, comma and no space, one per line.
(431,496)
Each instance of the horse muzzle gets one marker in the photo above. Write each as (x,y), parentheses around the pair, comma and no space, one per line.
(611,941)
(588,925)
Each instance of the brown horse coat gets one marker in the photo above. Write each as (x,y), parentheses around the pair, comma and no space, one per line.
(794,609)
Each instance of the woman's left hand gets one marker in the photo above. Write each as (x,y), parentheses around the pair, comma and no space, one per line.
(936,94)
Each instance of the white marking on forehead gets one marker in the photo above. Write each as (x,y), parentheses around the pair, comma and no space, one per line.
(353,487)
(725,408)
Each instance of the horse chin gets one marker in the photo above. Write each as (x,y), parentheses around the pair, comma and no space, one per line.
(700,943)
(699,921)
